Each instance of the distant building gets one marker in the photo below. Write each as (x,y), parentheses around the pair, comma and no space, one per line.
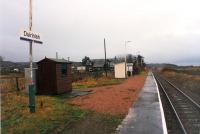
(16,70)
(54,76)
(81,69)
(119,69)
(75,65)
(98,64)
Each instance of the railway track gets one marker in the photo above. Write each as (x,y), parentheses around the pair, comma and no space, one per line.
(182,113)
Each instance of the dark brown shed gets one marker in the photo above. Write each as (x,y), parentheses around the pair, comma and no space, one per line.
(54,76)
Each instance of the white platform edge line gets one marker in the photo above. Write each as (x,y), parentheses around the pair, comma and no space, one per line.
(161,109)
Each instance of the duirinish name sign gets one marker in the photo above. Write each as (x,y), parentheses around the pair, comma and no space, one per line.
(30,36)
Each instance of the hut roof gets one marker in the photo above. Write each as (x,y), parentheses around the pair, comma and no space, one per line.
(55,60)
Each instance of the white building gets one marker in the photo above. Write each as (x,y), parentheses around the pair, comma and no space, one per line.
(81,68)
(119,69)
(16,69)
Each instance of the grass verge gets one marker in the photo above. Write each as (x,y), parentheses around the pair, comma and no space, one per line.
(90,82)
(50,114)
(95,123)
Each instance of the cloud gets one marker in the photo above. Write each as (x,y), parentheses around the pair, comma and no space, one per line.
(163,31)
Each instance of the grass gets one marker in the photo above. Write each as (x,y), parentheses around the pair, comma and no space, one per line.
(53,116)
(96,123)
(189,71)
(9,84)
(92,82)
(54,113)
(188,80)
(145,72)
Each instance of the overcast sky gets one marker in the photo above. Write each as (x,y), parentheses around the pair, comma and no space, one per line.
(160,30)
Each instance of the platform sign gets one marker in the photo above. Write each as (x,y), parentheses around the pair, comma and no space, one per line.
(30,36)
(129,64)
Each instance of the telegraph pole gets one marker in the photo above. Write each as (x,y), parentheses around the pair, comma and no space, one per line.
(105,67)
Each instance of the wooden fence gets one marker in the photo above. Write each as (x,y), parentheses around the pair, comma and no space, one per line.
(8,84)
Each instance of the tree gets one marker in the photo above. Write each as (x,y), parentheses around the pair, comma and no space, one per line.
(87,62)
(107,65)
(1,58)
(118,59)
(129,58)
(140,60)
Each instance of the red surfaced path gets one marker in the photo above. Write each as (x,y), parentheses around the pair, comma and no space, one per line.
(115,99)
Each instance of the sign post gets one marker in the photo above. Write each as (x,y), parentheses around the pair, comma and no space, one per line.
(32,98)
(32,37)
(30,46)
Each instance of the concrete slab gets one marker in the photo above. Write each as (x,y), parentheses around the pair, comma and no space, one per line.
(146,115)
(79,92)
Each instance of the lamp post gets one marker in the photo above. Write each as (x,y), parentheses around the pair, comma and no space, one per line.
(126,42)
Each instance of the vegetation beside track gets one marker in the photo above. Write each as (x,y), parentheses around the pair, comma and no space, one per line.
(90,82)
(186,79)
(52,115)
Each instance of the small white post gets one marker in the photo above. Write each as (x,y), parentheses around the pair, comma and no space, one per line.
(56,55)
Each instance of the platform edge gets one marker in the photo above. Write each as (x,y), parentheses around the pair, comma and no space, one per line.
(161,108)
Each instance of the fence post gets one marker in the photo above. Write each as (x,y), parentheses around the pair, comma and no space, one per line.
(17,84)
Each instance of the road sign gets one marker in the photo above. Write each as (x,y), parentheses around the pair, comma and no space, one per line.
(30,36)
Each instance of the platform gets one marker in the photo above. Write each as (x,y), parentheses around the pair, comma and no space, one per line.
(146,115)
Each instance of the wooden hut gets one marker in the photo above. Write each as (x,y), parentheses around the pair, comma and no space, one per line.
(54,76)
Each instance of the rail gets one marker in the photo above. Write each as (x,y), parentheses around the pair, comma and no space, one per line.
(175,97)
